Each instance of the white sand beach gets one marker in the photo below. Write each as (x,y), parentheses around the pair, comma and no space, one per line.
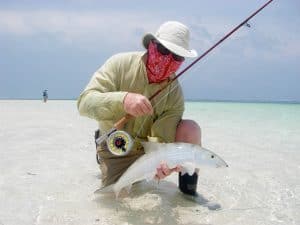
(48,171)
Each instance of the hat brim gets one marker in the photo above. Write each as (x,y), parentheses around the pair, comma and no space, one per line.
(178,50)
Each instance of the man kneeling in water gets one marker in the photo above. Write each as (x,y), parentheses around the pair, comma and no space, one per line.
(121,86)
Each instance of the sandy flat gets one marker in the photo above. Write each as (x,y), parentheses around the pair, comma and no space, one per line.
(49,173)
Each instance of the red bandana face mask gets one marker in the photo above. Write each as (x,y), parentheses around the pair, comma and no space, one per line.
(160,67)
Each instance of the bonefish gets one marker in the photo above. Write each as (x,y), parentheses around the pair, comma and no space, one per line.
(173,154)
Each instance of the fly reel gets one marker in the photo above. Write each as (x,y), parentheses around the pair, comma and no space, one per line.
(119,143)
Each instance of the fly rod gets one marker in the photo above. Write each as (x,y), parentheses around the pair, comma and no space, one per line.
(119,124)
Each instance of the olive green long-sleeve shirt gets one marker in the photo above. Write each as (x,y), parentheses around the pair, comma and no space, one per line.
(103,97)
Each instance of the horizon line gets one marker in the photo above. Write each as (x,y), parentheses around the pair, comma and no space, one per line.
(186,100)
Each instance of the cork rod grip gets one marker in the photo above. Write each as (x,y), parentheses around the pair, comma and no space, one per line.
(120,124)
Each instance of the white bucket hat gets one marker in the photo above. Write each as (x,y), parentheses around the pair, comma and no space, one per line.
(174,36)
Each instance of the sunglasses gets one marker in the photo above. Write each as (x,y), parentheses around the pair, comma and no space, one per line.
(164,51)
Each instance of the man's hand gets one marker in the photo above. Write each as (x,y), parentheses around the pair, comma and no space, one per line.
(163,170)
(137,105)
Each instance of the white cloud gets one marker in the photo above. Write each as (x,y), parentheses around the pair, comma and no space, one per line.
(76,26)
(117,27)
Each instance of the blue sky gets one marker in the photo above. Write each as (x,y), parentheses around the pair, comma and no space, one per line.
(57,45)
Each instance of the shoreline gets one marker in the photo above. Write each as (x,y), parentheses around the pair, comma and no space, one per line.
(186,100)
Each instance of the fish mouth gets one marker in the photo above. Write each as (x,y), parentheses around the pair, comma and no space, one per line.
(222,164)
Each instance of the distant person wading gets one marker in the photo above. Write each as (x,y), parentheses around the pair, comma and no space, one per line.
(45,96)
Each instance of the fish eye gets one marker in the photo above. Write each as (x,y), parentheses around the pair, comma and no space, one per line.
(212,156)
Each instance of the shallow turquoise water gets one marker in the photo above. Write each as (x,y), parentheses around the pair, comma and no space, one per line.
(275,123)
(281,115)
(261,143)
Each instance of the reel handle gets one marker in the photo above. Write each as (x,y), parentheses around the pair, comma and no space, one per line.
(120,124)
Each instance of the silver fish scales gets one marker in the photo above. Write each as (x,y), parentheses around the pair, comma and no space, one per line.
(185,154)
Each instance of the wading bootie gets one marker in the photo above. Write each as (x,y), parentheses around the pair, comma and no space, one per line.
(188,183)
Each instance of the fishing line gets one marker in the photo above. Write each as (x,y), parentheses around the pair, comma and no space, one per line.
(160,100)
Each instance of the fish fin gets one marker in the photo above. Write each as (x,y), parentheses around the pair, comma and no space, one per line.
(118,191)
(104,189)
(150,146)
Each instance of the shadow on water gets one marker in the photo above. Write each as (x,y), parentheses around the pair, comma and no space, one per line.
(152,203)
